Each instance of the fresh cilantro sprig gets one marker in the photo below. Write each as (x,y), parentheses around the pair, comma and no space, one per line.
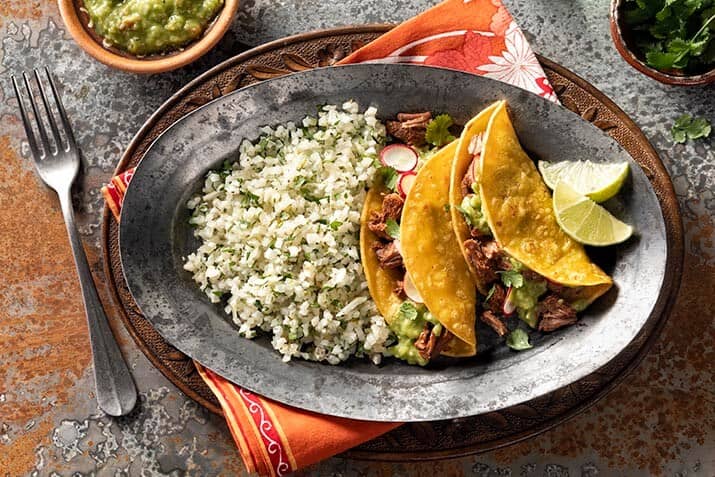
(673,34)
(389,177)
(393,229)
(407,311)
(512,278)
(490,293)
(437,132)
(686,127)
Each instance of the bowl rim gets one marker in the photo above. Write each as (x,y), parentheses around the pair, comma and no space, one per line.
(155,64)
(630,57)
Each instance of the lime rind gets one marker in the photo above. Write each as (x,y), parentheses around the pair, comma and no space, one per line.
(585,221)
(597,181)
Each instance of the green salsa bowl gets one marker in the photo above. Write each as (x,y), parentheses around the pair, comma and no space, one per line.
(144,36)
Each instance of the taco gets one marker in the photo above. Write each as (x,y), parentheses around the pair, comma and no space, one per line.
(419,281)
(503,218)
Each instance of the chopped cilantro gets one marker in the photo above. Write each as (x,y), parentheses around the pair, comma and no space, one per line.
(308,195)
(512,278)
(518,340)
(251,199)
(446,207)
(437,132)
(389,177)
(226,169)
(407,311)
(686,127)
(393,229)
(491,292)
(335,224)
(673,34)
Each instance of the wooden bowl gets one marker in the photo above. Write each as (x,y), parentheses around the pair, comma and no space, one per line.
(77,20)
(619,34)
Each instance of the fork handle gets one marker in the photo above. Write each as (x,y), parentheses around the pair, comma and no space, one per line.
(116,392)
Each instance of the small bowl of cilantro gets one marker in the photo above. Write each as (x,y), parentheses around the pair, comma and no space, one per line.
(672,41)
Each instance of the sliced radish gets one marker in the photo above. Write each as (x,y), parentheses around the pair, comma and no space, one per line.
(476,165)
(475,148)
(509,306)
(475,145)
(400,157)
(411,290)
(405,182)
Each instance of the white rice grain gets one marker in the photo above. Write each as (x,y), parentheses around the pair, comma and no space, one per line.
(279,236)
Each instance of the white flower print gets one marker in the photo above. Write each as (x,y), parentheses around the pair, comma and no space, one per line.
(517,65)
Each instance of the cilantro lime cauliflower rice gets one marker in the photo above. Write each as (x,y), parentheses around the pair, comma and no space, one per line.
(279,233)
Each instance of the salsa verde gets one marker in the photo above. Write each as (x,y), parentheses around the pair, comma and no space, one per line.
(144,27)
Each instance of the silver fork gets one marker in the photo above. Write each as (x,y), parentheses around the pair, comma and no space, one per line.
(58,165)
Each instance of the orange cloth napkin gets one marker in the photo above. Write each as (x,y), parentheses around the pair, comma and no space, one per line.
(477,36)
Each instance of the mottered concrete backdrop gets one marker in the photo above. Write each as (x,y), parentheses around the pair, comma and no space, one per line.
(659,421)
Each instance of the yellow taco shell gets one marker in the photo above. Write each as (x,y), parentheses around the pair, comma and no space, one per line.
(462,160)
(380,282)
(432,256)
(518,208)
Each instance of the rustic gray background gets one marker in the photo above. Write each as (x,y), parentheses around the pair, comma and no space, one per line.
(669,431)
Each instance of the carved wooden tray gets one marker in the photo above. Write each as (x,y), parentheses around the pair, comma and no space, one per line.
(415,441)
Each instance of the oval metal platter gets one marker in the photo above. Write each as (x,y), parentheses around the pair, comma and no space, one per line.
(155,236)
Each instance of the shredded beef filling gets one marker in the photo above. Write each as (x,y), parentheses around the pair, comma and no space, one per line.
(387,254)
(486,257)
(469,178)
(476,233)
(391,209)
(392,206)
(385,249)
(378,225)
(409,128)
(491,319)
(495,302)
(399,289)
(428,344)
(555,313)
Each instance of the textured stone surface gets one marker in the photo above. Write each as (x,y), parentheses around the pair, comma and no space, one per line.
(659,421)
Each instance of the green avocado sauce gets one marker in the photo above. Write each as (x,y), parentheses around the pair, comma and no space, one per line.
(526,298)
(408,323)
(526,295)
(144,27)
(471,209)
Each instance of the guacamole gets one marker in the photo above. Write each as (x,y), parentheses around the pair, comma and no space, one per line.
(526,298)
(471,209)
(407,325)
(144,27)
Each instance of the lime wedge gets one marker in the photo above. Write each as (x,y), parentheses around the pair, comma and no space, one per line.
(598,181)
(586,221)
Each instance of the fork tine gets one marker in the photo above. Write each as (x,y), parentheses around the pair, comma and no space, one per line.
(61,109)
(38,119)
(26,121)
(50,115)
